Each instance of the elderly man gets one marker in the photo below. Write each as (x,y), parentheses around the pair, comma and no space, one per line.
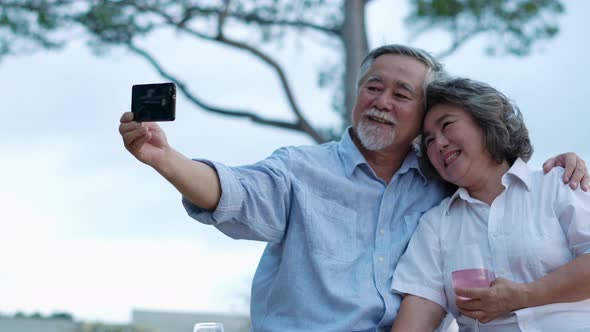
(337,216)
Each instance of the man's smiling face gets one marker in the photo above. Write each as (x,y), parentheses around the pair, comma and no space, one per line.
(388,108)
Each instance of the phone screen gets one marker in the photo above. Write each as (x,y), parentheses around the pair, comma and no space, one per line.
(153,102)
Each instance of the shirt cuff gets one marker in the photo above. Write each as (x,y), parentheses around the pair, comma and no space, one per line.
(230,201)
(424,292)
(582,249)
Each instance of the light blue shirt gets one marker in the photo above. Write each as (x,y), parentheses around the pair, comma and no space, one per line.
(335,233)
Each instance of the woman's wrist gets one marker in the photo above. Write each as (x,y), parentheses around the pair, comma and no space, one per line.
(527,295)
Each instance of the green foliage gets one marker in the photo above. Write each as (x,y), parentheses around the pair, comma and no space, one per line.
(26,25)
(38,315)
(61,315)
(512,25)
(20,314)
(255,26)
(120,21)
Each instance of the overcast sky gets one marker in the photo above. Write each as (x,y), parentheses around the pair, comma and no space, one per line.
(87,229)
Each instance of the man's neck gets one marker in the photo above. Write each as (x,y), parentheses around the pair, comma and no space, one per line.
(385,163)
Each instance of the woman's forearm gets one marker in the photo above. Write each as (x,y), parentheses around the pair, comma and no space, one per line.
(570,283)
(417,314)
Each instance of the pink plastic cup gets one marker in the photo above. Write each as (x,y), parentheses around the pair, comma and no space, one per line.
(472,278)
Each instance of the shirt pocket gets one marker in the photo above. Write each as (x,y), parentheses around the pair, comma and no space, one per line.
(331,228)
(545,248)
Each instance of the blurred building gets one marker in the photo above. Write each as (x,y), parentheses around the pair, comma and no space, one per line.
(161,321)
(141,321)
(9,324)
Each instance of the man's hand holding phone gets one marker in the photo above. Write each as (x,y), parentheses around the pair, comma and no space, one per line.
(144,140)
(142,136)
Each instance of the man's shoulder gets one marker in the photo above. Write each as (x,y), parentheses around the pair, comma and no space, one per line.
(314,148)
(307,153)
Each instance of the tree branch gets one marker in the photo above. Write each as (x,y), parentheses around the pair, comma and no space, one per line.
(218,110)
(249,18)
(458,42)
(222,17)
(302,123)
(255,18)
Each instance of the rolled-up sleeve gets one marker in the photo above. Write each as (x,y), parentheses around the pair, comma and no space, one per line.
(419,271)
(254,202)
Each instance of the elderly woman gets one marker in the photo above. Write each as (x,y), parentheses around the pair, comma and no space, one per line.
(532,231)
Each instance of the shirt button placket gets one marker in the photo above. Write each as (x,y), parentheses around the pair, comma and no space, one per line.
(493,239)
(381,266)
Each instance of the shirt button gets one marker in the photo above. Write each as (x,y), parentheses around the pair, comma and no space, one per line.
(380,258)
(381,231)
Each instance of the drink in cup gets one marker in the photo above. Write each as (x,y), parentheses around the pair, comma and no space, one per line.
(472,278)
(472,267)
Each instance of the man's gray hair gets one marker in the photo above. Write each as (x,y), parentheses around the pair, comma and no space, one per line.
(506,137)
(435,68)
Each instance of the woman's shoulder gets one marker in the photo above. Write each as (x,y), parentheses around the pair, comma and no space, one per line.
(544,181)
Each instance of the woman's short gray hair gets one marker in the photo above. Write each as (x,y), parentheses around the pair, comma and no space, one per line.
(505,133)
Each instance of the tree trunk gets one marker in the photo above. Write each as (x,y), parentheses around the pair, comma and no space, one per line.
(356,47)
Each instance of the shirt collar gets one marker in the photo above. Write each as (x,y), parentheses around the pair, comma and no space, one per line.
(352,157)
(461,192)
(411,162)
(349,153)
(519,171)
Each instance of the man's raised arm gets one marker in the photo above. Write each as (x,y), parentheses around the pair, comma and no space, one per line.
(196,181)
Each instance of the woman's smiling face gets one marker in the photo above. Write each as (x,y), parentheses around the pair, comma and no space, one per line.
(455,144)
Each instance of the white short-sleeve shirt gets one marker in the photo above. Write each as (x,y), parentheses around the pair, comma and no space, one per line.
(536,225)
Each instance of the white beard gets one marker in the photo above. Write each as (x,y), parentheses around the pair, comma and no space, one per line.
(375,137)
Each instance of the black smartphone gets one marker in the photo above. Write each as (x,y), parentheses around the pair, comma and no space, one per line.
(153,102)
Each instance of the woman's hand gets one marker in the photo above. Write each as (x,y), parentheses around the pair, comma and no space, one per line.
(487,304)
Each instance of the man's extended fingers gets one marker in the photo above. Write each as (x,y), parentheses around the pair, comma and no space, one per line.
(134,137)
(125,127)
(580,175)
(570,166)
(548,165)
(126,117)
(139,142)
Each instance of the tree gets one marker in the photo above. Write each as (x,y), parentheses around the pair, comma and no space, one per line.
(513,27)
(62,316)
